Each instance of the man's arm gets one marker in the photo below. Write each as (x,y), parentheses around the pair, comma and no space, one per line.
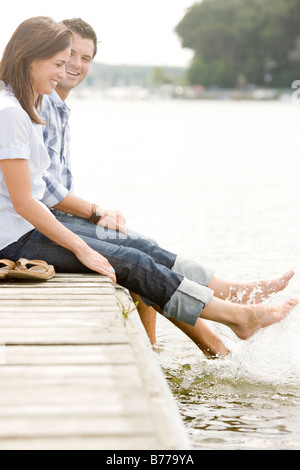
(74,205)
(58,179)
(58,197)
(55,192)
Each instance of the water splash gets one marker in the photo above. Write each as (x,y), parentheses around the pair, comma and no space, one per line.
(271,356)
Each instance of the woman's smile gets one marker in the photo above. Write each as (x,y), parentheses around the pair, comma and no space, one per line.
(47,73)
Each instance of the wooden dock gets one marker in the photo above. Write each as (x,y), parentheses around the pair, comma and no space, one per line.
(75,374)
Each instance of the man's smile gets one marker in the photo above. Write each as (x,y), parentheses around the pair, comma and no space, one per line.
(72,72)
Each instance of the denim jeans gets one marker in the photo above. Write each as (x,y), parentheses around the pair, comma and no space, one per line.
(178,286)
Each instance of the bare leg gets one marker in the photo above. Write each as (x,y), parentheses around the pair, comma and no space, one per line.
(203,337)
(200,334)
(252,292)
(245,320)
(206,340)
(147,316)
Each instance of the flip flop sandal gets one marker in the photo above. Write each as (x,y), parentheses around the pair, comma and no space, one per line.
(39,270)
(8,265)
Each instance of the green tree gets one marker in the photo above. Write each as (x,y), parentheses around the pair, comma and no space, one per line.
(160,77)
(256,39)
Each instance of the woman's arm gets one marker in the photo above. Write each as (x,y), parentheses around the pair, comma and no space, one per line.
(17,178)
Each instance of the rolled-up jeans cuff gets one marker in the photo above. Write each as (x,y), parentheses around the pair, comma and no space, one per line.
(193,270)
(146,301)
(187,303)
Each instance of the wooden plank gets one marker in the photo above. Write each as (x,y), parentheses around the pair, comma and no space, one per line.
(124,442)
(61,320)
(77,410)
(82,277)
(59,310)
(30,304)
(166,419)
(58,335)
(42,295)
(57,284)
(59,277)
(57,289)
(53,374)
(61,425)
(47,397)
(71,377)
(79,354)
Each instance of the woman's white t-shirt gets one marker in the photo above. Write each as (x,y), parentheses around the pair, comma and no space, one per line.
(19,139)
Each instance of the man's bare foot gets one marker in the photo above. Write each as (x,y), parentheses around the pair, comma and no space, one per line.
(256,292)
(254,317)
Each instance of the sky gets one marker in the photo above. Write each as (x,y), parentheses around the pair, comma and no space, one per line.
(131,31)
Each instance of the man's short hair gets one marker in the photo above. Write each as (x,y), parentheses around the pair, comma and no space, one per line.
(77,25)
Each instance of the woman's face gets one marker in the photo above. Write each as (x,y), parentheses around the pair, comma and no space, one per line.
(46,73)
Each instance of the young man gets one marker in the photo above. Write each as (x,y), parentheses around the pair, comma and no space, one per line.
(99,224)
(59,179)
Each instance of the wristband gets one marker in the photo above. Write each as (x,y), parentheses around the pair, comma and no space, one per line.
(96,215)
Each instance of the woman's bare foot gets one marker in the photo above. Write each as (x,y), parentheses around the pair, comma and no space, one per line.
(255,317)
(245,320)
(249,293)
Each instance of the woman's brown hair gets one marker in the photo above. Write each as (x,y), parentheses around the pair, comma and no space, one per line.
(36,38)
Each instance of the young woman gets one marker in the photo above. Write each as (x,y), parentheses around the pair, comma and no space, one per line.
(32,65)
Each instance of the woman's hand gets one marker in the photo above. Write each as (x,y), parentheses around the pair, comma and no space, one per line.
(96,262)
(114,220)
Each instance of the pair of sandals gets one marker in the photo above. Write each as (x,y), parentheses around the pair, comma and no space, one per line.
(26,269)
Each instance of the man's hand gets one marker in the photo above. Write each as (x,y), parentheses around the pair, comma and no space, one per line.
(114,220)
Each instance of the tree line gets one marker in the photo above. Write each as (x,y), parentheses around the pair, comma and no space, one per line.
(242,42)
(148,76)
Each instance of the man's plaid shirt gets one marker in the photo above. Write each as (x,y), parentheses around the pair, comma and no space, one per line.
(59,181)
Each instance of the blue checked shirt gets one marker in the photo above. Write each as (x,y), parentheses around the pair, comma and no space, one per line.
(59,181)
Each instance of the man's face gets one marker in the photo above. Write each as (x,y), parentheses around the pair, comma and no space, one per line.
(78,65)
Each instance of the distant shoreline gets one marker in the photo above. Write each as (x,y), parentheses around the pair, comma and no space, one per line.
(138,92)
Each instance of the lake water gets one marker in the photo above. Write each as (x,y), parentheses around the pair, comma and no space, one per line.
(217,181)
